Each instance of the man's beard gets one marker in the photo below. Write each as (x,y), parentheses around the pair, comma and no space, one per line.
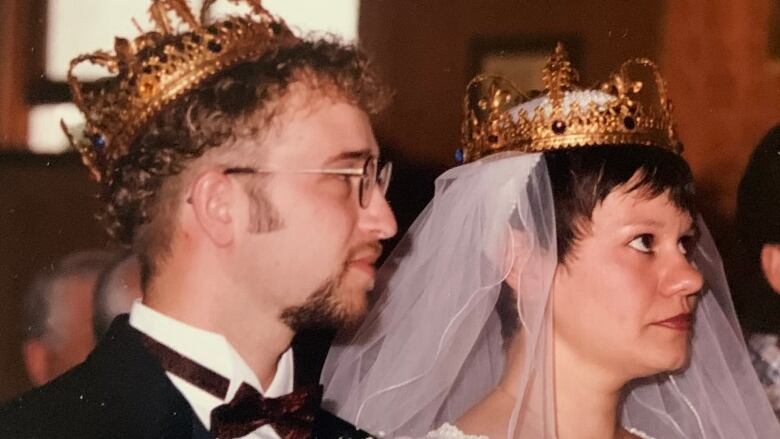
(323,309)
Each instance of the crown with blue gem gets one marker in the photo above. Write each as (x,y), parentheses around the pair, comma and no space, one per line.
(157,67)
(632,107)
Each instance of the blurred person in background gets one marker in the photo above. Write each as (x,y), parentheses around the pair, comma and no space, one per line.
(758,227)
(58,315)
(117,287)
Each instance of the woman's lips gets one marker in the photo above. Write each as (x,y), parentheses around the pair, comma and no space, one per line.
(680,322)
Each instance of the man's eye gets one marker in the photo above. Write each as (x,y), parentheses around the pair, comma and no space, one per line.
(642,243)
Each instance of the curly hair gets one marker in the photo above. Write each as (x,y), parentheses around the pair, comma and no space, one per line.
(142,188)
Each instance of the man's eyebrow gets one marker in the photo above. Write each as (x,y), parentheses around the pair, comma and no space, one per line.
(361,154)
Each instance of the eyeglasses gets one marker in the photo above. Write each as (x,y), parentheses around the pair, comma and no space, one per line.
(370,174)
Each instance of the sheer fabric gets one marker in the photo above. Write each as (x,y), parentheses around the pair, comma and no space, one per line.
(718,396)
(432,347)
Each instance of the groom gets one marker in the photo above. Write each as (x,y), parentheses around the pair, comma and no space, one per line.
(239,162)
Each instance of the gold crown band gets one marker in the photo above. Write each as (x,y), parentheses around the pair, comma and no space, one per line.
(630,112)
(158,67)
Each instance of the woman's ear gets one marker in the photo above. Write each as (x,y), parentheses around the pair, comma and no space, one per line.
(770,265)
(518,252)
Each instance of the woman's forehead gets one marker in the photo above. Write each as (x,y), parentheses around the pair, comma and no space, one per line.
(641,207)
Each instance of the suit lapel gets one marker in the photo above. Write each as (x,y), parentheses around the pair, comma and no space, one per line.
(142,396)
(146,404)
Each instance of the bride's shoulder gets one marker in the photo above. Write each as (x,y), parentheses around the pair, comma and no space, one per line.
(449,431)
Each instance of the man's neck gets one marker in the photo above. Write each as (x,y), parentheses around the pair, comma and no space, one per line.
(260,338)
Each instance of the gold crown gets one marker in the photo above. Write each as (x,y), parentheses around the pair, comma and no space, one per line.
(159,66)
(632,107)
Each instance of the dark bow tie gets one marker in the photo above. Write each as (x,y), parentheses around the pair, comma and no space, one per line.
(291,416)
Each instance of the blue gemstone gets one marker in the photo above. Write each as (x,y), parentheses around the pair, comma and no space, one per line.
(459,155)
(98,141)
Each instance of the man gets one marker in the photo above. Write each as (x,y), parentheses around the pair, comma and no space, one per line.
(58,313)
(117,287)
(758,226)
(240,162)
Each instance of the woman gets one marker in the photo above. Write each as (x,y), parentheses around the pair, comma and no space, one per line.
(549,289)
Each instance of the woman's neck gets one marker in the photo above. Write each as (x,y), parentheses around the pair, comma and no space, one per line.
(587,396)
(586,399)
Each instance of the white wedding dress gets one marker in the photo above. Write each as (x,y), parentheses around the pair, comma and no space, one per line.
(449,431)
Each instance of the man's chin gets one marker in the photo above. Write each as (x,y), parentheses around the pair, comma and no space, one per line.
(360,277)
(327,313)
(354,311)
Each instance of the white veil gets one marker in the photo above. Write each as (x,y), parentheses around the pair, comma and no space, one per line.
(432,346)
(718,396)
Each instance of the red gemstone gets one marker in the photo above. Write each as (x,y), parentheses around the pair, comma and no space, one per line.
(558,127)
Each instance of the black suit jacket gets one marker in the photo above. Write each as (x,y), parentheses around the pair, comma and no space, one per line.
(120,391)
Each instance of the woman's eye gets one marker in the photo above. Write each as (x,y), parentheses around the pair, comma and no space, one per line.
(686,245)
(642,243)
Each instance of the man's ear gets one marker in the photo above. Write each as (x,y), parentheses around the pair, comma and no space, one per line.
(36,361)
(213,203)
(770,264)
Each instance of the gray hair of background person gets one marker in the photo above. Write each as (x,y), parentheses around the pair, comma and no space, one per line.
(758,224)
(38,300)
(116,288)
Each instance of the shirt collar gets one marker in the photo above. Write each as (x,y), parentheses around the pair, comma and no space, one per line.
(210,350)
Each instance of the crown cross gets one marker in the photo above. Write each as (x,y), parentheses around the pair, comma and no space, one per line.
(559,76)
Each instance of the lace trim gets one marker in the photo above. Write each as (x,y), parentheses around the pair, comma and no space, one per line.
(449,431)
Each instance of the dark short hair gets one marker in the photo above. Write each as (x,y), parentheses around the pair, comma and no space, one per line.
(142,187)
(758,223)
(758,198)
(37,300)
(582,178)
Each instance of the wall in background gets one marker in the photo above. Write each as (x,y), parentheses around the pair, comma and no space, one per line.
(424,50)
(47,210)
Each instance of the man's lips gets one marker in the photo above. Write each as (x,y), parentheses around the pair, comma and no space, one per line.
(680,322)
(365,262)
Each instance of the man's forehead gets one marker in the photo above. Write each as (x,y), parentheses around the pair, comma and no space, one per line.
(324,128)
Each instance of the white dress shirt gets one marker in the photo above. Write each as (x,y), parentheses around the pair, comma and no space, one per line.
(214,352)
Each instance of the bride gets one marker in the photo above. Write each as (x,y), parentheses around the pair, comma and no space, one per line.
(559,285)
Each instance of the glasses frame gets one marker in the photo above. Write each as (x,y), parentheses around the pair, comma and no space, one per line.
(371,176)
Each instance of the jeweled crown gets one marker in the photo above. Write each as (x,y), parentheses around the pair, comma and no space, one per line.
(159,66)
(632,107)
